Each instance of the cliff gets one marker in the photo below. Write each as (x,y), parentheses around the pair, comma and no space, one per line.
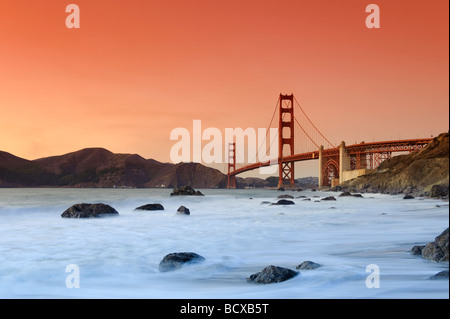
(425,172)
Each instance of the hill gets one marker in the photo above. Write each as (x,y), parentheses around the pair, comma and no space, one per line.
(98,167)
(425,172)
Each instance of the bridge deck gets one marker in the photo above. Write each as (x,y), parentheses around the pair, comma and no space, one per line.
(361,148)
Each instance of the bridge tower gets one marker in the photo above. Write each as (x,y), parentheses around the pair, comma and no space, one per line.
(286,138)
(231,164)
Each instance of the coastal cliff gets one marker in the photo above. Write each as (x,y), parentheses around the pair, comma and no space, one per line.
(422,173)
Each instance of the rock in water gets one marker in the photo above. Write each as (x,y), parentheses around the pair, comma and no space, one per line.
(440,275)
(417,250)
(185,190)
(285,196)
(438,249)
(150,207)
(308,265)
(176,260)
(344,194)
(329,198)
(408,196)
(88,210)
(272,274)
(183,210)
(284,202)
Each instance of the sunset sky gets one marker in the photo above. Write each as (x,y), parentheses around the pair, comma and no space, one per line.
(135,70)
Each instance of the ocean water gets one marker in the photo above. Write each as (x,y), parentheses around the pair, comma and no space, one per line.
(118,257)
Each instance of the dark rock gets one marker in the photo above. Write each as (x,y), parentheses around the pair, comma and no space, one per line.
(432,252)
(284,202)
(265,203)
(307,199)
(272,274)
(440,275)
(329,198)
(150,207)
(185,190)
(301,196)
(183,210)
(286,196)
(343,194)
(417,250)
(348,194)
(437,250)
(442,241)
(176,260)
(308,265)
(441,190)
(408,196)
(88,210)
(281,189)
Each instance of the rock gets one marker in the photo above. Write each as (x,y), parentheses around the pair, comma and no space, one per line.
(176,260)
(183,210)
(307,199)
(185,190)
(347,194)
(284,202)
(308,265)
(329,198)
(437,191)
(432,252)
(417,250)
(272,274)
(265,203)
(343,194)
(281,189)
(438,249)
(150,207)
(286,196)
(440,275)
(88,210)
(442,241)
(408,196)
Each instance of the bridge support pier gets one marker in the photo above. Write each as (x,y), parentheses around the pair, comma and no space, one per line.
(231,165)
(320,166)
(344,161)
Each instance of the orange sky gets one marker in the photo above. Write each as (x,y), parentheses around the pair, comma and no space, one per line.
(135,70)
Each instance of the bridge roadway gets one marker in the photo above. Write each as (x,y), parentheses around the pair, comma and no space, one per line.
(409,145)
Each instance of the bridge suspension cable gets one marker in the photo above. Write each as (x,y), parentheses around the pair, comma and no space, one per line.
(267,134)
(317,130)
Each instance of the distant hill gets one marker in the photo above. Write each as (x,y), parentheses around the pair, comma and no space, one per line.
(272,182)
(98,167)
(425,172)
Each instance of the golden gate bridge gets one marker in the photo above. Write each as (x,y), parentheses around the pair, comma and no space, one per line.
(336,163)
